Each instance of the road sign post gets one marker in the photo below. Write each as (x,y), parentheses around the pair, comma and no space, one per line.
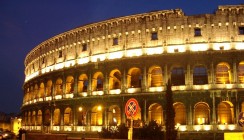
(131,109)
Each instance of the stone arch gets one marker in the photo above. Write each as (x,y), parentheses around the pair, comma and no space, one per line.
(155,76)
(82,83)
(201,113)
(39,117)
(69,85)
(180,113)
(225,113)
(68,116)
(114,115)
(49,88)
(115,79)
(59,86)
(82,112)
(241,72)
(97,115)
(97,81)
(223,73)
(155,113)
(134,78)
(200,75)
(41,90)
(177,76)
(47,118)
(56,117)
(33,118)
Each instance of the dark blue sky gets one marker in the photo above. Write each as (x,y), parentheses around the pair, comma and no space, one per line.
(26,23)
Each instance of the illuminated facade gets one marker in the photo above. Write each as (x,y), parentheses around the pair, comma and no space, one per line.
(81,79)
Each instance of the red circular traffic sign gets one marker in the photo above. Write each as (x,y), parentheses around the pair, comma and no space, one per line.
(131,107)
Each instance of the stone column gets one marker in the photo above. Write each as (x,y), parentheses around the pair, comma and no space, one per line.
(89,89)
(144,80)
(75,85)
(166,77)
(124,83)
(145,111)
(235,78)
(64,86)
(61,119)
(188,74)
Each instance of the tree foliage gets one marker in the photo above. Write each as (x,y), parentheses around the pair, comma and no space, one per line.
(171,133)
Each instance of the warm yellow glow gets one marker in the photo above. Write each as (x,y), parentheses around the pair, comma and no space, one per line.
(134,52)
(27,78)
(178,88)
(156,50)
(198,47)
(100,57)
(197,127)
(97,93)
(221,46)
(222,127)
(83,60)
(69,63)
(231,127)
(176,48)
(115,91)
(80,109)
(207,127)
(133,90)
(99,108)
(239,46)
(69,95)
(156,89)
(57,97)
(115,55)
(49,98)
(182,128)
(59,66)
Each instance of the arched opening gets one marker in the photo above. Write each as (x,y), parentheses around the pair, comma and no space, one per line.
(180,113)
(49,88)
(134,78)
(97,81)
(155,113)
(59,87)
(31,93)
(241,72)
(97,116)
(68,116)
(115,79)
(225,113)
(47,118)
(56,117)
(82,83)
(29,118)
(114,118)
(41,90)
(223,73)
(69,85)
(82,112)
(177,76)
(35,93)
(155,77)
(242,107)
(33,118)
(200,75)
(201,113)
(39,118)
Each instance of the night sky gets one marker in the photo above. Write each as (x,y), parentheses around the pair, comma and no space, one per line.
(26,23)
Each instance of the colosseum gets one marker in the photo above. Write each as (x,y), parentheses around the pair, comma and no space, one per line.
(81,79)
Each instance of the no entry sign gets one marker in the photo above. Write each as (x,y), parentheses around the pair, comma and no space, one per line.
(131,107)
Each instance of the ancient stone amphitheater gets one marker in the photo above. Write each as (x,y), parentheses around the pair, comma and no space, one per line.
(81,79)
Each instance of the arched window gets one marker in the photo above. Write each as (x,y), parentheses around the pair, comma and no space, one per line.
(97,82)
(49,88)
(180,113)
(82,116)
(225,113)
(200,76)
(177,76)
(114,115)
(222,74)
(241,72)
(33,118)
(47,118)
(69,85)
(59,87)
(134,78)
(82,83)
(155,113)
(35,93)
(97,116)
(39,118)
(41,90)
(115,79)
(56,117)
(155,77)
(67,116)
(201,113)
